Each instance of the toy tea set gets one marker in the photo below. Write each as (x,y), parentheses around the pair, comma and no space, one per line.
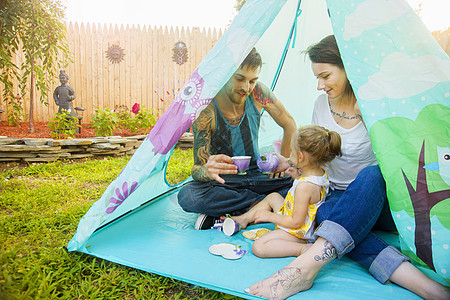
(267,163)
(230,227)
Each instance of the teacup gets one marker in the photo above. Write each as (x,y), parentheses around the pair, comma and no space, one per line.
(242,162)
(230,226)
(267,162)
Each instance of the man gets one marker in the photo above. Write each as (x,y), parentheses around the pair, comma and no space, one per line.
(229,127)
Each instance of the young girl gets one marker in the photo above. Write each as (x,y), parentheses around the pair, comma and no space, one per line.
(311,147)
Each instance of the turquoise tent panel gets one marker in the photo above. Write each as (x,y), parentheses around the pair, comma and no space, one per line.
(160,238)
(401,78)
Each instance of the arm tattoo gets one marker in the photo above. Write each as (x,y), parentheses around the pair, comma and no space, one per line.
(202,129)
(328,253)
(263,94)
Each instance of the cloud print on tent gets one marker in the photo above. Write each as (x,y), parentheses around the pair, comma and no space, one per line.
(422,75)
(364,12)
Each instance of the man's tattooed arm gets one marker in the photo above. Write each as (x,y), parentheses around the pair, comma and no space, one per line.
(263,95)
(202,128)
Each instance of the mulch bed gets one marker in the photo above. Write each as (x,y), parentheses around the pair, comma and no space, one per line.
(41,130)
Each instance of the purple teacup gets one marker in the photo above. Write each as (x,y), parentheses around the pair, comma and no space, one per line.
(230,226)
(242,163)
(267,163)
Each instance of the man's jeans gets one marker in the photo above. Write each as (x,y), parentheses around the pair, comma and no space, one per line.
(347,218)
(235,196)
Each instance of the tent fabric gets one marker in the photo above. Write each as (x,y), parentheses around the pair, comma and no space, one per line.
(160,238)
(401,78)
(402,81)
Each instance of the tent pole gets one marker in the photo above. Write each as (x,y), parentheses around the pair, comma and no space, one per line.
(288,42)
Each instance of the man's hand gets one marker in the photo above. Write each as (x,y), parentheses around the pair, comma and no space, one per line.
(219,164)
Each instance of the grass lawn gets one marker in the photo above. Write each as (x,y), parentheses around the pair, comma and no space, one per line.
(40,207)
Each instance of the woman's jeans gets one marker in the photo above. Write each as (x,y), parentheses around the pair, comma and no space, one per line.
(347,218)
(235,196)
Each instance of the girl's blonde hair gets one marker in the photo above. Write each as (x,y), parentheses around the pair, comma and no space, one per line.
(323,145)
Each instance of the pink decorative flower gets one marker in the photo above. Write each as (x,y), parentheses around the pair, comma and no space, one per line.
(135,108)
(121,195)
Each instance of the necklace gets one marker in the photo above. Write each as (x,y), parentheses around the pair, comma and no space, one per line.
(234,121)
(344,114)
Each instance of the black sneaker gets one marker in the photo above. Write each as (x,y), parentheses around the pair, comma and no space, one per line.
(206,222)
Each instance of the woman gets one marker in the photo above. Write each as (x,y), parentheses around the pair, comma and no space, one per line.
(355,203)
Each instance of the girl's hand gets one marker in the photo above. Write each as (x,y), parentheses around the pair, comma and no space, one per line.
(283,163)
(293,172)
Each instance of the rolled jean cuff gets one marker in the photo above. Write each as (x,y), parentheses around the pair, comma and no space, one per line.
(385,264)
(337,235)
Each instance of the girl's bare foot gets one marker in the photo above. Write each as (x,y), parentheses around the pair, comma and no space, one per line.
(241,220)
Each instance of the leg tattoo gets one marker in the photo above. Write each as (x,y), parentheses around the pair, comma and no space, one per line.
(328,253)
(285,278)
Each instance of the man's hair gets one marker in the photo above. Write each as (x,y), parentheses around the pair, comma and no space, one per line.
(253,60)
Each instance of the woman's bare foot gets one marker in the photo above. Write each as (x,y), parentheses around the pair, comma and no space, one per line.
(299,275)
(286,282)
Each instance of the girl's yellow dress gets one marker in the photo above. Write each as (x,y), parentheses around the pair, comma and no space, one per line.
(306,231)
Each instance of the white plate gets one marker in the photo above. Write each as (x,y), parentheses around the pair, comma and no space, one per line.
(227,250)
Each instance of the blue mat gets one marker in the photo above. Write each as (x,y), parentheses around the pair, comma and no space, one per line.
(160,238)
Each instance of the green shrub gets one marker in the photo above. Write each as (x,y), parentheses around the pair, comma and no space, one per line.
(63,125)
(105,122)
(143,120)
(138,120)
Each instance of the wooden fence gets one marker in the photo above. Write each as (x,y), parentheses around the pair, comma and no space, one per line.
(443,39)
(147,74)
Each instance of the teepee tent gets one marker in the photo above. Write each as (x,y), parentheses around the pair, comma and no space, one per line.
(402,81)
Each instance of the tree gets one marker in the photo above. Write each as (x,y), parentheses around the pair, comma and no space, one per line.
(35,28)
